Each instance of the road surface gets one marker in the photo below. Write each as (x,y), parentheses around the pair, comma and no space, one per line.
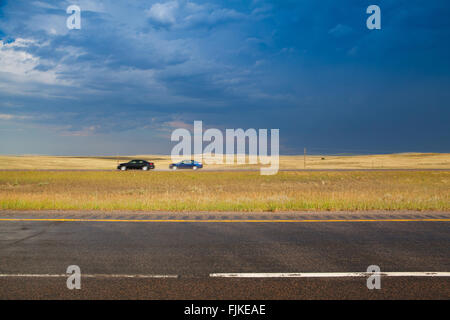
(224,255)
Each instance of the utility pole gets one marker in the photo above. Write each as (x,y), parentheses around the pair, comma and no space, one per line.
(304,158)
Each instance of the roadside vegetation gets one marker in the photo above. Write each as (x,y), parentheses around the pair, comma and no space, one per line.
(225,191)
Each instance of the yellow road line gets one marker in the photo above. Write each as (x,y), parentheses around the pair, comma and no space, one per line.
(220,221)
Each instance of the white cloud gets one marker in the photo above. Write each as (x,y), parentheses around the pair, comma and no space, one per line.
(84,132)
(175,124)
(340,30)
(189,14)
(211,17)
(16,61)
(8,104)
(163,12)
(18,43)
(5,116)
(43,5)
(263,11)
(21,65)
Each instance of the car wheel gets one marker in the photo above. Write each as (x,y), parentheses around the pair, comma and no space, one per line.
(194,168)
(123,168)
(174,168)
(145,168)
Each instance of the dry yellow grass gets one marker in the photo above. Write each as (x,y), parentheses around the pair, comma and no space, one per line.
(225,191)
(388,161)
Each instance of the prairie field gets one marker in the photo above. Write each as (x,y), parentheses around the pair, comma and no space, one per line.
(383,161)
(225,191)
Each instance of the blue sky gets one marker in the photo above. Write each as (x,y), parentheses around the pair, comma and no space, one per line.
(137,70)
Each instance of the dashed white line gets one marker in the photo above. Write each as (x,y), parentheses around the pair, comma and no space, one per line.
(28,275)
(328,274)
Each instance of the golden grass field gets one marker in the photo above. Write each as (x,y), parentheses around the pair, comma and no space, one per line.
(225,191)
(388,161)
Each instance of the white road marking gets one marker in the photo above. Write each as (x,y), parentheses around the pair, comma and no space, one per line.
(28,275)
(240,275)
(328,274)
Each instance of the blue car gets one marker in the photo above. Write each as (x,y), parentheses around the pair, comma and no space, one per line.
(186,164)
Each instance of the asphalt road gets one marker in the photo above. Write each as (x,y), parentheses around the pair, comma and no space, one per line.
(118,259)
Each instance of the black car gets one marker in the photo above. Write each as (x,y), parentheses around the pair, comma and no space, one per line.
(137,165)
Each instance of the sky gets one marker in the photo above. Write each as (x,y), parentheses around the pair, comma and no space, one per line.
(137,70)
